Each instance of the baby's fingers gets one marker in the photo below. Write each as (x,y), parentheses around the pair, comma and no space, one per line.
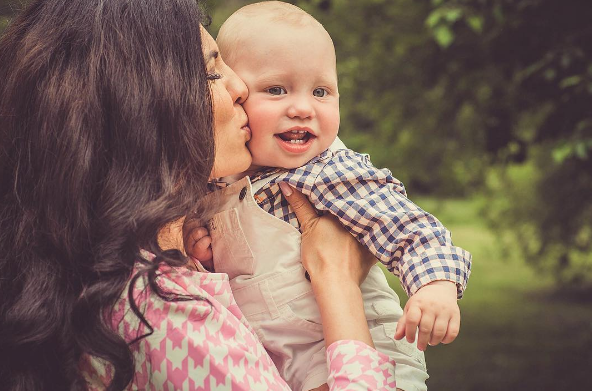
(453,329)
(412,322)
(197,244)
(202,249)
(425,330)
(439,330)
(400,331)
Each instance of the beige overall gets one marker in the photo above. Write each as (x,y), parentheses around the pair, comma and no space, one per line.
(261,255)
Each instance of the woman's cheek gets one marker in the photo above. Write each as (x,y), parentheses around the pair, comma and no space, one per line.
(223,107)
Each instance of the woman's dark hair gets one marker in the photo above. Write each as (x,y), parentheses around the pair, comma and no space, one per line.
(105,136)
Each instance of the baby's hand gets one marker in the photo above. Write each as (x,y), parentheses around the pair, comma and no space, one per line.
(433,308)
(198,244)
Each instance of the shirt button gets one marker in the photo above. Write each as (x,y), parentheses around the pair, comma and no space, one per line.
(242,194)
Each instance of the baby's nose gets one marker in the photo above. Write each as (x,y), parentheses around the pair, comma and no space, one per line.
(301,107)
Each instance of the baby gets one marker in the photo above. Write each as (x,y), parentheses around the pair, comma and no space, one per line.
(287,60)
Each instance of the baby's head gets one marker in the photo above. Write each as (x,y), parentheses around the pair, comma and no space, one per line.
(287,60)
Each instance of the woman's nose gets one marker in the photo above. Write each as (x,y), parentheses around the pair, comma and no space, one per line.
(301,107)
(236,86)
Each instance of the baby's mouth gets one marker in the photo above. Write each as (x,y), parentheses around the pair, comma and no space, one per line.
(295,136)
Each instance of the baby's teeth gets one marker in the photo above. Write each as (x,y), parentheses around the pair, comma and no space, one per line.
(297,141)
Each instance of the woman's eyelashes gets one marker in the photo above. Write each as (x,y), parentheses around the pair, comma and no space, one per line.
(211,76)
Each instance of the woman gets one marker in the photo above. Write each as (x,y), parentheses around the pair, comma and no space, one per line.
(107,135)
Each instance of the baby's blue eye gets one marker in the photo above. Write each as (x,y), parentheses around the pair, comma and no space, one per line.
(277,90)
(320,92)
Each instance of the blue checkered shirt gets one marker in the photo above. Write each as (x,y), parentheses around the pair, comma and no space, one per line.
(373,206)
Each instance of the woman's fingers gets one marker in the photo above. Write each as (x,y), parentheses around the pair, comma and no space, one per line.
(323,236)
(305,212)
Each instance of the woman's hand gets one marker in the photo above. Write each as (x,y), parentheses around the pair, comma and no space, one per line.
(327,247)
(337,265)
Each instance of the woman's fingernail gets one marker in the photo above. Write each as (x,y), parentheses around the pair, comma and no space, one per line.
(286,189)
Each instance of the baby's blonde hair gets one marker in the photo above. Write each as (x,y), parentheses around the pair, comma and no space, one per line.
(232,31)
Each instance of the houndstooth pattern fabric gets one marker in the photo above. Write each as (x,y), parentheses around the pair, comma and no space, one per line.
(207,344)
(345,359)
(374,207)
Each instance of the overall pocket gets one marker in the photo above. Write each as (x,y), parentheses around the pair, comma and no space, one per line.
(302,313)
(231,252)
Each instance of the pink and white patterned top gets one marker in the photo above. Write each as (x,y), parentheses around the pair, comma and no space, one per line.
(207,344)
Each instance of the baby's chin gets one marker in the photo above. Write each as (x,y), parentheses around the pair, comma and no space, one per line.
(266,163)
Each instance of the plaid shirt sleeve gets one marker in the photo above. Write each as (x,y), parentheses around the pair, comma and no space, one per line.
(373,206)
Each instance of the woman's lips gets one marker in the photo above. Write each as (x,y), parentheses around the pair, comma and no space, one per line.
(247,130)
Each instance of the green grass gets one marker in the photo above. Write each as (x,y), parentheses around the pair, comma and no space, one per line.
(516,333)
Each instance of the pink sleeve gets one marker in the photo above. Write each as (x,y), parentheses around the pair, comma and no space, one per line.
(200,345)
(353,365)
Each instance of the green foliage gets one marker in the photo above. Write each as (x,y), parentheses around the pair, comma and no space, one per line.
(4,20)
(541,180)
(441,20)
(542,208)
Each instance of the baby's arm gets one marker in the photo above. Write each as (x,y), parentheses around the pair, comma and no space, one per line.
(410,242)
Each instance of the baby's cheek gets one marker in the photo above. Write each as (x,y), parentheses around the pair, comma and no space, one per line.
(334,124)
(330,125)
(260,118)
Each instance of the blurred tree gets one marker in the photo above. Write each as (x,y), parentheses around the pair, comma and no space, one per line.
(540,133)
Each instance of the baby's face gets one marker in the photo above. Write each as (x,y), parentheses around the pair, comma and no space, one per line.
(293,103)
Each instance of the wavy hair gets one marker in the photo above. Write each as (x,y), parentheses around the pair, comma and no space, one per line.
(106,135)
